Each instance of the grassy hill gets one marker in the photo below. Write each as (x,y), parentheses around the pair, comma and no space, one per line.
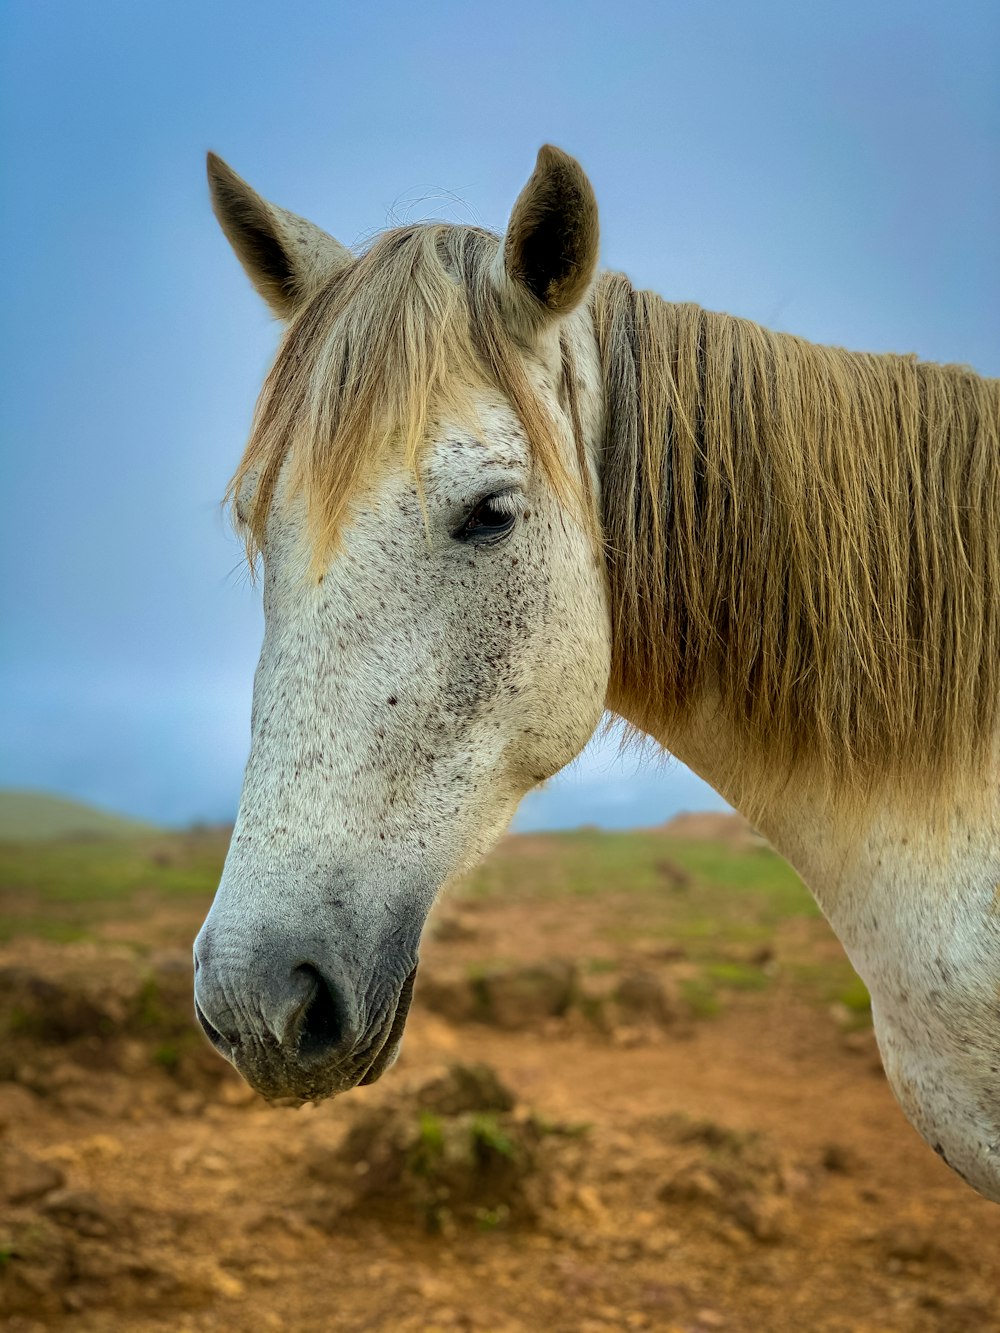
(35,815)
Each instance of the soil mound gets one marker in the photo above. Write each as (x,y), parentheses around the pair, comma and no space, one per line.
(453,1151)
(733,1177)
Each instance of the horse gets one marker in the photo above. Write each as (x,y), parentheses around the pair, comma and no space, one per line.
(496,492)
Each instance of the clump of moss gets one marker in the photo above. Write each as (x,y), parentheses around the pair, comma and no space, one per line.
(456,1151)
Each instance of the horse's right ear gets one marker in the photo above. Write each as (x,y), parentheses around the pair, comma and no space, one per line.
(286,258)
(549,253)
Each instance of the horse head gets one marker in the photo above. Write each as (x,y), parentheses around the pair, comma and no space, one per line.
(436,618)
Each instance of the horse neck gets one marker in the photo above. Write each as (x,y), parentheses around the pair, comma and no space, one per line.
(819,829)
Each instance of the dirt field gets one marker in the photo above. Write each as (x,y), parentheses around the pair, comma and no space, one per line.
(639,1091)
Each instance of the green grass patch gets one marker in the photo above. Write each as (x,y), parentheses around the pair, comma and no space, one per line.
(65,890)
(700,996)
(741,893)
(596,967)
(834,983)
(854,996)
(488,1136)
(91,870)
(167,1055)
(858,1003)
(431,1132)
(34,927)
(738,976)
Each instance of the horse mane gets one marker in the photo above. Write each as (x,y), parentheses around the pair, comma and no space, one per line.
(395,340)
(808,536)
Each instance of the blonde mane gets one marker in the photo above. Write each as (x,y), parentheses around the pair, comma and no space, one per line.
(809,536)
(398,338)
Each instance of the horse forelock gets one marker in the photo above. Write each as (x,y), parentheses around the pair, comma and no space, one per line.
(401,338)
(807,536)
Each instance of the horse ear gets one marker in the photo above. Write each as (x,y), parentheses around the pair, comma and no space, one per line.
(286,258)
(549,251)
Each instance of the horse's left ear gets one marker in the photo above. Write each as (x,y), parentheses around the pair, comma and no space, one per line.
(549,253)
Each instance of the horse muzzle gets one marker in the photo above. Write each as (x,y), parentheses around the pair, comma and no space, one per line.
(296,1024)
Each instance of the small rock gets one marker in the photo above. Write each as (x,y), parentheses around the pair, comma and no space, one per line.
(589,1200)
(710,1319)
(24,1178)
(628,1036)
(642,995)
(453,928)
(227,1285)
(17,1104)
(103,1147)
(189,1103)
(692,1184)
(431,1288)
(839,1160)
(765,1217)
(80,1211)
(910,1245)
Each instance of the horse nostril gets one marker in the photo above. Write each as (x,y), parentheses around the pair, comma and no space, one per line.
(324,1021)
(218,1040)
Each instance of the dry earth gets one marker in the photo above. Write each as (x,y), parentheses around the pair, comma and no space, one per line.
(611,1113)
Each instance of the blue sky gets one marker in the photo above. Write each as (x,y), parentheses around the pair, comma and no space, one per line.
(827,169)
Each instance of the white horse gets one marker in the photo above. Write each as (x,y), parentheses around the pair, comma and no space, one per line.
(495,494)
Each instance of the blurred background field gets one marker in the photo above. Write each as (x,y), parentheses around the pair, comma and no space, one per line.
(639,1089)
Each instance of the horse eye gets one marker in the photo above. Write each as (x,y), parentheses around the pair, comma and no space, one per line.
(491,519)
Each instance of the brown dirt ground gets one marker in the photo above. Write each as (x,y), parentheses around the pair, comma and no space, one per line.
(747,1171)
